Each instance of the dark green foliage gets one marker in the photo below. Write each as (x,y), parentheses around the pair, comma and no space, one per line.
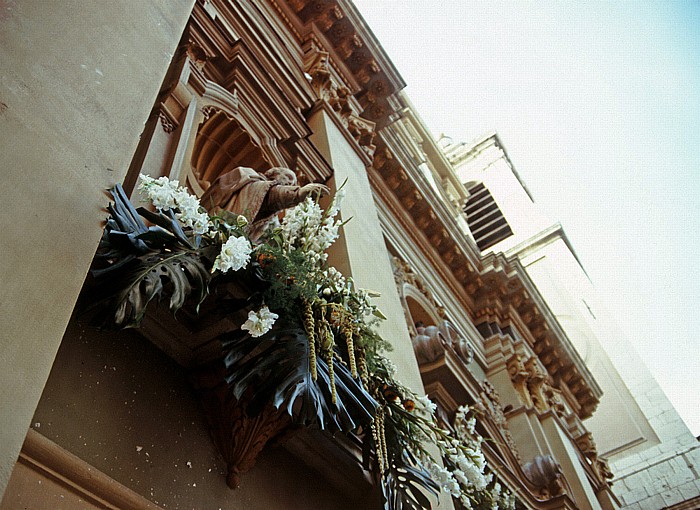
(276,367)
(136,263)
(290,276)
(405,484)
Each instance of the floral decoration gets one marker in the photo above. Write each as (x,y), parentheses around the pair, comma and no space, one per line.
(309,345)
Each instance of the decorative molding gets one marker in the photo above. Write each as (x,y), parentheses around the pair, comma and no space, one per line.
(167,120)
(601,468)
(50,461)
(490,404)
(405,275)
(536,381)
(519,376)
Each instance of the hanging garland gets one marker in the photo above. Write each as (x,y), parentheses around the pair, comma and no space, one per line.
(309,344)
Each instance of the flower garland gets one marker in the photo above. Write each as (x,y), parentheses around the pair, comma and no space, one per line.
(311,328)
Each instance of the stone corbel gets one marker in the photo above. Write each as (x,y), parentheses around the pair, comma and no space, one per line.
(339,99)
(197,55)
(167,120)
(319,70)
(239,436)
(362,131)
(555,401)
(519,377)
(588,448)
(535,384)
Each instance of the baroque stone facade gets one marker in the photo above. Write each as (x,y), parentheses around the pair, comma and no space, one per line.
(305,85)
(635,434)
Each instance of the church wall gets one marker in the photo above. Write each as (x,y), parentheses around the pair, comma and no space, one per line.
(74,97)
(127,410)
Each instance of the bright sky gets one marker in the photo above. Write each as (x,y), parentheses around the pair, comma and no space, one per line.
(598,105)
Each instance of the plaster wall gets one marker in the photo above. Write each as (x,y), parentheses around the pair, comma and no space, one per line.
(122,406)
(618,423)
(74,96)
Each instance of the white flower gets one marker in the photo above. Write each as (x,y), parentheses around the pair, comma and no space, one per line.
(428,404)
(259,322)
(306,227)
(444,478)
(166,194)
(235,255)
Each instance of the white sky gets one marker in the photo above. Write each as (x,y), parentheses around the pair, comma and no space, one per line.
(598,105)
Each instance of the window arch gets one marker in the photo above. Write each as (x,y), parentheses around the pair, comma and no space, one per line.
(222,144)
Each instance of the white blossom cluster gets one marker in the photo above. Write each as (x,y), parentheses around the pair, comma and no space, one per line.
(465,473)
(306,227)
(235,255)
(166,194)
(427,404)
(259,322)
(334,281)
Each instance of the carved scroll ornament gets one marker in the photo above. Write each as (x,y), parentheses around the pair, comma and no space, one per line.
(430,341)
(545,474)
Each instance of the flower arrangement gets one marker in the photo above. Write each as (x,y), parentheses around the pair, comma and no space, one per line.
(309,344)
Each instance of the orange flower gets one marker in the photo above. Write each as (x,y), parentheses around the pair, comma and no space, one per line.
(409,405)
(265,259)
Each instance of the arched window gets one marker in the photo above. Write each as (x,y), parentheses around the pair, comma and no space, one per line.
(221,145)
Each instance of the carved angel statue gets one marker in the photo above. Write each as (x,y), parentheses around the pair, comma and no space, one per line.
(258,197)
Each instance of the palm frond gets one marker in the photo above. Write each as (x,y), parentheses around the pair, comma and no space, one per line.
(137,263)
(277,367)
(406,483)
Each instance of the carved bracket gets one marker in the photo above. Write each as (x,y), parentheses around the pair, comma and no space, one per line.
(239,436)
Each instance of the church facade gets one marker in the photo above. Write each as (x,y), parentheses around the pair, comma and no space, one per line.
(104,419)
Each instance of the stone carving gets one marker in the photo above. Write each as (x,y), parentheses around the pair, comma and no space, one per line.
(555,401)
(519,377)
(404,274)
(535,384)
(209,111)
(339,98)
(456,340)
(601,468)
(197,55)
(239,437)
(259,197)
(319,70)
(166,120)
(490,405)
(362,130)
(545,474)
(427,343)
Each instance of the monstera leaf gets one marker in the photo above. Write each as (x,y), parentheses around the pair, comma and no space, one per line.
(406,483)
(276,368)
(181,275)
(136,263)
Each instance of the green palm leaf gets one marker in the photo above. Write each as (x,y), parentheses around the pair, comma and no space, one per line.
(276,368)
(405,485)
(137,263)
(181,275)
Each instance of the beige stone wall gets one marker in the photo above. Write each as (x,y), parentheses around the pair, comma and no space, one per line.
(78,82)
(365,255)
(126,409)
